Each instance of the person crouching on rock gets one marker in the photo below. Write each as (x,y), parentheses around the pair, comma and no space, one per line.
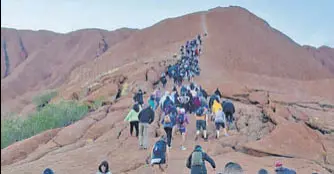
(196,161)
(159,156)
(104,168)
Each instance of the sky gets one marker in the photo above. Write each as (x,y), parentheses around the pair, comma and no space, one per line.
(308,22)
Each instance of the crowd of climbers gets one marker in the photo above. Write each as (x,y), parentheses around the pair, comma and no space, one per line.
(176,108)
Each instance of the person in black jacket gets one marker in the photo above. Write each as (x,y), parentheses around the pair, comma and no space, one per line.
(196,161)
(139,97)
(146,117)
(228,109)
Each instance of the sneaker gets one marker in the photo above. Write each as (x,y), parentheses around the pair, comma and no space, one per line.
(226,135)
(183,148)
(170,148)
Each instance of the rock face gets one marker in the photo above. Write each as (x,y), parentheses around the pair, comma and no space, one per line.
(283,97)
(291,140)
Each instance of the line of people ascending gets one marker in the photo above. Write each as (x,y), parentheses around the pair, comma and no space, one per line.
(187,67)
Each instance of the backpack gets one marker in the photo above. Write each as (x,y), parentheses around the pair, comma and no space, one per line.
(159,149)
(197,102)
(180,119)
(197,158)
(200,111)
(167,119)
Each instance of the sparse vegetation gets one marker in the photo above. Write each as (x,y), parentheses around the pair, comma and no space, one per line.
(51,116)
(43,99)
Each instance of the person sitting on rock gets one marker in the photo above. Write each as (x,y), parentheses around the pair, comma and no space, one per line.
(279,169)
(104,168)
(132,117)
(48,171)
(196,161)
(159,156)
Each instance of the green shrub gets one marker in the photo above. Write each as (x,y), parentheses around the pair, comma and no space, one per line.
(44,98)
(98,103)
(49,117)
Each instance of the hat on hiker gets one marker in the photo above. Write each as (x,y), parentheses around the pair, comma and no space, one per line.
(48,171)
(198,148)
(278,164)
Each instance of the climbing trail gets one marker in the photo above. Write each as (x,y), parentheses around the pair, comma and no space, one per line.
(204,24)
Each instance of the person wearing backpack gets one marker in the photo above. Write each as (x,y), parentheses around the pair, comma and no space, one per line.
(201,122)
(181,121)
(196,161)
(168,127)
(146,117)
(104,168)
(132,117)
(220,121)
(279,169)
(138,98)
(159,156)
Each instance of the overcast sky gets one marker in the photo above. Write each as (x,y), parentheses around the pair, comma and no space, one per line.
(308,22)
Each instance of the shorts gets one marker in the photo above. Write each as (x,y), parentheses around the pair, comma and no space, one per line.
(218,125)
(158,161)
(182,129)
(200,124)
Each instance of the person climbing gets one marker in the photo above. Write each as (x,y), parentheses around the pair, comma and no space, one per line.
(196,161)
(201,122)
(233,168)
(215,107)
(262,171)
(220,121)
(104,168)
(139,97)
(157,96)
(181,121)
(168,127)
(229,110)
(119,93)
(159,156)
(146,117)
(163,80)
(48,171)
(132,117)
(151,102)
(217,92)
(213,98)
(279,169)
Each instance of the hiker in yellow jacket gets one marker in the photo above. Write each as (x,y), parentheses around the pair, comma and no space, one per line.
(215,107)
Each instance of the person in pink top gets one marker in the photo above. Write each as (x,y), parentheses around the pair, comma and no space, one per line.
(182,120)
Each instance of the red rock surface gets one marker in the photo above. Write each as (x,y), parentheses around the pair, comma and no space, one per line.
(248,60)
